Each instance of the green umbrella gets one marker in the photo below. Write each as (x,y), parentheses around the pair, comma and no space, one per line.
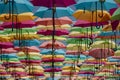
(116,15)
(77,41)
(24,30)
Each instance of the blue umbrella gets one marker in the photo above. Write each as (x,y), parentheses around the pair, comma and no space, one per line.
(56,52)
(33,42)
(91,4)
(19,6)
(44,12)
(94,5)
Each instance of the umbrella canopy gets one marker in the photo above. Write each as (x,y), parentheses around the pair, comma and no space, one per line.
(28,49)
(6,45)
(20,17)
(109,28)
(25,24)
(83,23)
(62,3)
(20,6)
(93,5)
(103,44)
(60,38)
(91,17)
(101,53)
(50,32)
(42,12)
(48,44)
(58,21)
(116,14)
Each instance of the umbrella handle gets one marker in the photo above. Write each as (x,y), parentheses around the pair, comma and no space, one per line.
(101,2)
(10,15)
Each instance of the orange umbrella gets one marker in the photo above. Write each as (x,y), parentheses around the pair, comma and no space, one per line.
(88,15)
(48,44)
(49,21)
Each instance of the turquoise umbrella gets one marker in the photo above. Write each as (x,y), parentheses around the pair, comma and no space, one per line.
(16,6)
(44,12)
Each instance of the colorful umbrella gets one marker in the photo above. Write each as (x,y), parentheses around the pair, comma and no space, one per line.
(58,21)
(42,12)
(62,3)
(101,53)
(48,45)
(116,14)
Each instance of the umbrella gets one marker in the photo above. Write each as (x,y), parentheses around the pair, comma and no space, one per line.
(91,16)
(25,24)
(83,23)
(29,49)
(58,21)
(19,17)
(109,28)
(62,3)
(17,7)
(60,38)
(48,44)
(58,27)
(60,12)
(103,44)
(101,53)
(94,5)
(116,14)
(57,32)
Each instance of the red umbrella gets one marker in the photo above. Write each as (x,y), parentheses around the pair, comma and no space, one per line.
(48,44)
(25,24)
(9,50)
(83,23)
(57,32)
(58,21)
(101,53)
(28,49)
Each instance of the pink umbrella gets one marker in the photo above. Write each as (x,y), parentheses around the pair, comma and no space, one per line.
(82,23)
(101,53)
(9,50)
(48,44)
(1,28)
(6,45)
(50,32)
(58,21)
(58,3)
(25,24)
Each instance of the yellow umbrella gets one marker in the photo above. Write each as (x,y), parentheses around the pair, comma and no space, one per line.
(82,47)
(25,37)
(6,39)
(19,17)
(57,27)
(88,15)
(103,44)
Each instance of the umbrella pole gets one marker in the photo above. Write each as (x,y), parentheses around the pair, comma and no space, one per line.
(53,37)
